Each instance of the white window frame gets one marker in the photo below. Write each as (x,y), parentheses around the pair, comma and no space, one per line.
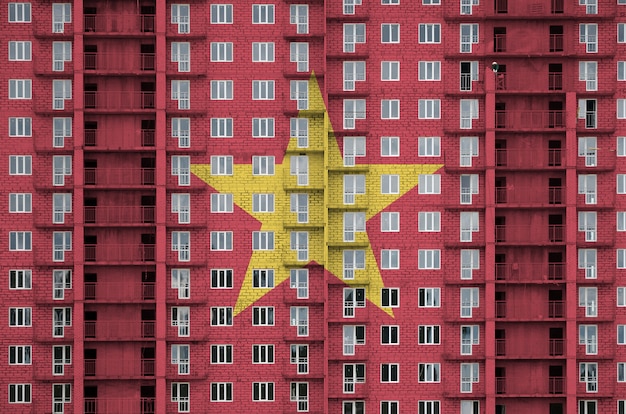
(353,71)
(221,14)
(20,393)
(61,317)
(588,223)
(299,92)
(588,336)
(221,278)
(180,392)
(181,91)
(353,335)
(220,203)
(389,33)
(19,12)
(390,259)
(429,221)
(352,374)
(429,335)
(299,166)
(263,165)
(221,127)
(469,221)
(221,392)
(429,108)
(389,109)
(390,184)
(221,165)
(20,89)
(429,70)
(180,17)
(20,127)
(299,15)
(262,51)
(389,146)
(262,14)
(221,240)
(389,221)
(20,355)
(588,298)
(469,376)
(588,185)
(469,36)
(61,281)
(20,279)
(20,202)
(20,241)
(429,297)
(299,317)
(61,356)
(262,316)
(262,127)
(353,34)
(588,34)
(20,50)
(589,375)
(299,205)
(262,278)
(61,92)
(588,73)
(221,89)
(263,354)
(353,222)
(181,281)
(390,71)
(262,391)
(181,54)
(352,260)
(389,373)
(353,109)
(61,243)
(221,52)
(429,259)
(181,243)
(61,14)
(299,280)
(180,357)
(221,316)
(300,357)
(61,53)
(470,261)
(221,354)
(429,33)
(263,90)
(180,318)
(299,54)
(429,372)
(262,202)
(181,205)
(429,184)
(300,244)
(299,392)
(390,334)
(469,112)
(262,240)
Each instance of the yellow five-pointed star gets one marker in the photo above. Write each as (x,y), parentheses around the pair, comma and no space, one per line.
(243,185)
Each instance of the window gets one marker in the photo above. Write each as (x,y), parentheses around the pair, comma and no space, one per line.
(299,166)
(429,297)
(621,31)
(299,280)
(300,357)
(389,259)
(61,243)
(181,281)
(469,225)
(180,357)
(430,33)
(469,376)
(299,129)
(221,127)
(466,9)
(19,393)
(19,316)
(587,185)
(587,222)
(389,372)
(353,109)
(180,205)
(20,89)
(589,375)
(221,165)
(180,396)
(299,92)
(20,355)
(353,33)
(263,13)
(300,394)
(263,51)
(20,127)
(588,336)
(389,146)
(299,54)
(20,50)
(61,91)
(429,221)
(353,223)
(61,356)
(20,279)
(389,221)
(61,204)
(621,334)
(428,259)
(390,297)
(587,259)
(621,296)
(429,71)
(621,258)
(429,335)
(592,6)
(221,13)
(352,298)
(428,372)
(221,354)
(220,203)
(469,37)
(181,169)
(352,72)
(181,243)
(352,185)
(180,16)
(470,336)
(352,260)
(469,112)
(621,404)
(61,14)
(299,15)
(62,128)
(263,278)
(262,127)
(389,71)
(221,278)
(621,109)
(61,281)
(262,354)
(352,335)
(20,202)
(588,72)
(621,372)
(262,89)
(220,89)
(469,74)
(468,150)
(299,204)
(470,261)
(262,391)
(180,319)
(469,187)
(589,36)
(389,335)
(180,93)
(352,374)
(221,240)
(61,167)
(587,147)
(262,165)
(300,243)
(389,184)
(390,109)
(263,316)
(20,241)
(621,70)
(300,319)
(61,317)
(180,55)
(61,53)
(221,52)
(429,184)
(390,33)
(588,298)
(262,240)
(389,407)
(587,110)
(429,109)
(263,203)
(19,12)
(428,407)
(221,316)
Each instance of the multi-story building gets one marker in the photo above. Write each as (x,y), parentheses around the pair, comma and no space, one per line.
(336,206)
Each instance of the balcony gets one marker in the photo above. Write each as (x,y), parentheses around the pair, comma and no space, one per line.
(119,253)
(119,330)
(500,385)
(549,310)
(118,63)
(111,25)
(103,292)
(119,369)
(520,159)
(530,272)
(530,235)
(119,177)
(530,350)
(530,120)
(119,101)
(553,82)
(119,405)
(529,196)
(504,9)
(100,141)
(119,215)
(555,385)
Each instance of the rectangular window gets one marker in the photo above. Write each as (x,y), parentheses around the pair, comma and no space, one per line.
(587,185)
(262,354)
(353,223)
(352,298)
(353,33)
(588,298)
(299,92)
(20,202)
(621,30)
(389,146)
(469,376)
(300,244)
(429,108)
(263,14)
(262,316)
(470,261)
(20,89)
(181,169)
(389,221)
(468,150)
(180,396)
(180,319)
(429,71)
(389,184)
(62,128)
(61,53)
(429,259)
(429,221)
(262,165)
(428,372)
(221,316)
(389,259)
(390,33)
(469,112)
(352,374)
(262,89)
(20,355)
(389,373)
(180,17)
(221,13)
(587,223)
(20,51)
(588,336)
(588,73)
(429,297)
(221,165)
(299,166)
(353,109)
(352,185)
(429,334)
(469,225)
(20,127)
(61,14)
(262,240)
(352,260)
(389,71)
(222,51)
(221,391)
(299,204)
(300,394)
(262,391)
(428,407)
(181,93)
(299,280)
(263,51)
(263,203)
(469,187)
(221,89)
(299,129)
(621,296)
(262,127)
(469,74)
(61,167)
(61,281)
(61,92)
(299,54)
(222,240)
(19,393)
(180,206)
(222,127)
(61,395)
(263,278)
(20,241)
(61,356)
(221,278)
(180,55)
(181,282)
(430,33)
(621,372)
(389,335)
(352,335)
(181,243)
(61,243)
(589,36)
(469,301)
(390,109)
(390,297)
(299,15)
(469,37)
(300,319)
(589,375)
(353,72)
(19,13)
(181,130)
(221,354)
(180,357)
(621,109)
(61,205)
(20,317)
(221,203)
(429,184)
(20,279)
(300,357)
(390,407)
(470,336)
(61,317)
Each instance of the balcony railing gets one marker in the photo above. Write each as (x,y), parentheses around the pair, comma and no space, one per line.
(500,347)
(521,349)
(119,176)
(530,120)
(119,215)
(119,405)
(511,83)
(119,330)
(530,272)
(119,292)
(529,195)
(556,385)
(500,385)
(119,369)
(518,158)
(119,62)
(99,140)
(112,24)
(553,233)
(557,347)
(550,309)
(119,100)
(118,253)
